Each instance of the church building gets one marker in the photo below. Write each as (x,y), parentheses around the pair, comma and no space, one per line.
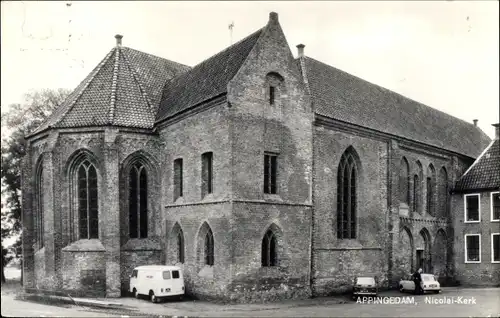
(262,174)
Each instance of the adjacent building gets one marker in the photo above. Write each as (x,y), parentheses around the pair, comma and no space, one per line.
(476,220)
(262,174)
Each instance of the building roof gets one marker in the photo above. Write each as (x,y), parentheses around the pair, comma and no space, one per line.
(123,90)
(345,97)
(205,80)
(484,172)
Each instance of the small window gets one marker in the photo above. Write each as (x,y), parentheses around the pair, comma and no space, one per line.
(270,173)
(134,273)
(209,248)
(206,173)
(495,206)
(269,249)
(495,248)
(473,248)
(177,178)
(175,274)
(166,275)
(472,209)
(272,94)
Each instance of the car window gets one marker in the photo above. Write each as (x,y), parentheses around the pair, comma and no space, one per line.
(365,281)
(134,273)
(166,275)
(175,274)
(427,278)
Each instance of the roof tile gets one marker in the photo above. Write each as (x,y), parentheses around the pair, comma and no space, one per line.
(345,97)
(484,172)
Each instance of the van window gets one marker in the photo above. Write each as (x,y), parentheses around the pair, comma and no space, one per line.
(134,273)
(166,275)
(175,274)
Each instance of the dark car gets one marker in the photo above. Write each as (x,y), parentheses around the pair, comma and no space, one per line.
(364,286)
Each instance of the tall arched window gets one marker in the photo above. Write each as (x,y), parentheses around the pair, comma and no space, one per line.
(209,248)
(443,192)
(431,183)
(180,246)
(39,191)
(404,182)
(418,180)
(138,201)
(346,195)
(416,193)
(269,249)
(87,194)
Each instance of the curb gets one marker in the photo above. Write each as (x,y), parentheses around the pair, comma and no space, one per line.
(71,301)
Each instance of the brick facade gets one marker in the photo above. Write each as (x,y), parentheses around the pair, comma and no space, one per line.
(239,128)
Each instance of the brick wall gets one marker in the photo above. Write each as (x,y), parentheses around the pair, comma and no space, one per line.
(337,261)
(485,273)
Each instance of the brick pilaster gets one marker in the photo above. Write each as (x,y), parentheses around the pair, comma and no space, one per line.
(393,159)
(27,220)
(111,215)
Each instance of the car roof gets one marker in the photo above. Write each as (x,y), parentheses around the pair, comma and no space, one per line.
(158,267)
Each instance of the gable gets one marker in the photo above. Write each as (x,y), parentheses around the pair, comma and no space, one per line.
(206,80)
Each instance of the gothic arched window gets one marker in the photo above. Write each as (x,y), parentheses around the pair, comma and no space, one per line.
(404,182)
(269,249)
(138,201)
(39,191)
(87,195)
(209,248)
(180,246)
(347,195)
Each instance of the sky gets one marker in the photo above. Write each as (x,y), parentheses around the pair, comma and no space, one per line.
(444,54)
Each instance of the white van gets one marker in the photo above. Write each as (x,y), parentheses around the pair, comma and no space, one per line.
(157,282)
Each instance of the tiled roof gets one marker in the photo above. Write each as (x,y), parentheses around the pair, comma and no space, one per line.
(342,96)
(123,90)
(205,80)
(484,172)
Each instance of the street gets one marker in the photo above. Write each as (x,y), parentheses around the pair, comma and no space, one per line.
(17,308)
(467,303)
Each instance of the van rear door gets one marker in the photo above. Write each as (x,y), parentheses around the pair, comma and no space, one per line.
(177,282)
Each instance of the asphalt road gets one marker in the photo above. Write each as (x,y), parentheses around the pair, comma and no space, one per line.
(18,308)
(466,303)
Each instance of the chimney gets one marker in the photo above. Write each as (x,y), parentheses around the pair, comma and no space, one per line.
(300,50)
(497,133)
(118,38)
(475,122)
(273,17)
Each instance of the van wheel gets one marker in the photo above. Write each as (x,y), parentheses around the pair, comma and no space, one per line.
(152,297)
(136,293)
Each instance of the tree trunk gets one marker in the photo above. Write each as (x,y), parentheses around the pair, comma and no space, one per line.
(22,271)
(3,274)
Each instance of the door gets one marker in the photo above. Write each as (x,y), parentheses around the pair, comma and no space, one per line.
(420,260)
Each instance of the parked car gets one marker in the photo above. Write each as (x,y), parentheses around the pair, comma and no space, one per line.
(364,286)
(157,282)
(428,284)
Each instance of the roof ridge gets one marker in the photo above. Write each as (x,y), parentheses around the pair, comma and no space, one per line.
(136,78)
(114,84)
(229,47)
(156,56)
(90,79)
(394,92)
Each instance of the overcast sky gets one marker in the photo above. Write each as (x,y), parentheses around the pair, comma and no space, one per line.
(443,54)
